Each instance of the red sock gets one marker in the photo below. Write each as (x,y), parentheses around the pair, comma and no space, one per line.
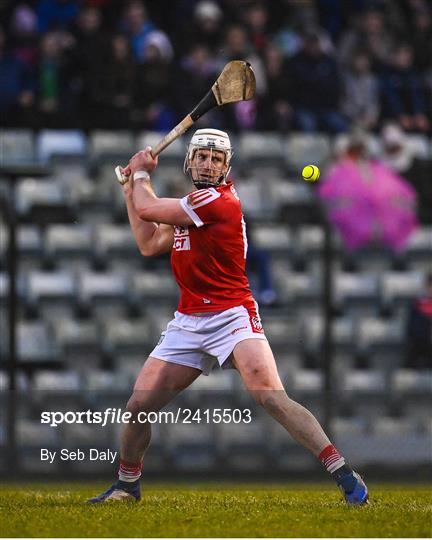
(128,471)
(331,459)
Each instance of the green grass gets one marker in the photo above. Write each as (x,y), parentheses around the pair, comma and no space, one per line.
(209,510)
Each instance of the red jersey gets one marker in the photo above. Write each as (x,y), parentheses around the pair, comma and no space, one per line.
(209,258)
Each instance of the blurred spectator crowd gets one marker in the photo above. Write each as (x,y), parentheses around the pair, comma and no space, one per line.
(321,65)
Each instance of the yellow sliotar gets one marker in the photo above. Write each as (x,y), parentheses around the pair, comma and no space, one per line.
(310,173)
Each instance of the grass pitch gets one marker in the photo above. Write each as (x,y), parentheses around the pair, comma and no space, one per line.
(209,510)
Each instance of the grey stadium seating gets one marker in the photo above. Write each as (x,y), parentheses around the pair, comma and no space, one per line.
(91,308)
(18,146)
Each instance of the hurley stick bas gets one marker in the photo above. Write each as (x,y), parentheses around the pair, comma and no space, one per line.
(235,83)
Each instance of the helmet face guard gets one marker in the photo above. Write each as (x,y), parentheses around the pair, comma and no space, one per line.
(207,139)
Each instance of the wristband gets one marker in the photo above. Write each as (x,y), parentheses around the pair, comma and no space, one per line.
(138,175)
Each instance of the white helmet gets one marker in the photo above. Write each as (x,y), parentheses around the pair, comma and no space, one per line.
(213,139)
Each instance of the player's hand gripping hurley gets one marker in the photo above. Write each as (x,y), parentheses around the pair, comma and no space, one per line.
(235,83)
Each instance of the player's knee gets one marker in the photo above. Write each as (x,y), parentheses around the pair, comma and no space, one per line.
(263,381)
(272,400)
(137,403)
(133,405)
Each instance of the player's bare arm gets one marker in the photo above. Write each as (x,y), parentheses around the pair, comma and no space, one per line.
(151,238)
(147,204)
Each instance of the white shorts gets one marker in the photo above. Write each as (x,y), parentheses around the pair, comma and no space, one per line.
(200,341)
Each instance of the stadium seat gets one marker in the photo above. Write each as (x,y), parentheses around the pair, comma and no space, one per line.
(309,253)
(254,202)
(128,363)
(17,146)
(372,260)
(310,241)
(77,337)
(58,390)
(31,436)
(70,172)
(260,148)
(242,446)
(50,287)
(60,143)
(159,316)
(308,380)
(346,427)
(104,388)
(99,380)
(364,393)
(417,409)
(400,288)
(153,286)
(102,288)
(36,343)
(266,173)
(29,244)
(79,435)
(29,241)
(349,434)
(281,268)
(412,381)
(386,441)
(307,387)
(418,252)
(354,293)
(364,382)
(96,202)
(33,433)
(219,380)
(21,381)
(291,194)
(273,237)
(380,342)
(301,149)
(282,332)
(282,194)
(299,205)
(114,242)
(31,191)
(191,446)
(121,337)
(109,145)
(288,362)
(312,329)
(412,391)
(174,153)
(397,440)
(43,201)
(304,289)
(420,242)
(393,426)
(165,174)
(69,245)
(48,380)
(379,334)
(309,244)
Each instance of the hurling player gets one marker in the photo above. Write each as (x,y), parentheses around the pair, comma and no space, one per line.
(217,319)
